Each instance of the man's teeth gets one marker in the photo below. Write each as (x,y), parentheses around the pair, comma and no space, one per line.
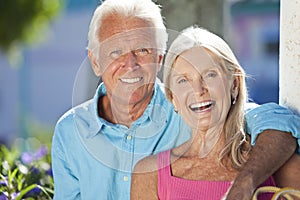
(201,106)
(131,80)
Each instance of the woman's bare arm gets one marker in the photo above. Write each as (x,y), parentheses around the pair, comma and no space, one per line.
(144,180)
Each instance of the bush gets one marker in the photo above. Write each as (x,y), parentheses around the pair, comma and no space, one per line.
(25,175)
(23,23)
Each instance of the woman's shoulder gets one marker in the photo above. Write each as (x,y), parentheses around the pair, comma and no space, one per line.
(144,179)
(147,164)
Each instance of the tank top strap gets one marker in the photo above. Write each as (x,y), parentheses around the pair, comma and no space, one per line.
(164,173)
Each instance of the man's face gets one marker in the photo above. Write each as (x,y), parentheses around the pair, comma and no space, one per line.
(128,58)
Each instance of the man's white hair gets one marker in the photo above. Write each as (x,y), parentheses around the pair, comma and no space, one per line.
(142,9)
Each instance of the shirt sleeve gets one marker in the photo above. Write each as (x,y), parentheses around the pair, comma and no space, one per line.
(66,185)
(271,116)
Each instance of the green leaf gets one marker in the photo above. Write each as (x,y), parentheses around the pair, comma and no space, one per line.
(20,182)
(2,177)
(24,191)
(46,191)
(13,175)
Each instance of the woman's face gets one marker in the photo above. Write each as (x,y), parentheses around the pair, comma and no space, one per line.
(201,90)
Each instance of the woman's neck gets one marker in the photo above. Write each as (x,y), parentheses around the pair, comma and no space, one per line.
(202,144)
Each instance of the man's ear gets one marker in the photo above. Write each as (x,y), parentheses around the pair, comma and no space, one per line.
(94,63)
(160,59)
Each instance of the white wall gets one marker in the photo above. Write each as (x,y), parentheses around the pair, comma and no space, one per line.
(289,80)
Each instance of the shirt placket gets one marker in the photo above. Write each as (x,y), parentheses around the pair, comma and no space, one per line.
(128,149)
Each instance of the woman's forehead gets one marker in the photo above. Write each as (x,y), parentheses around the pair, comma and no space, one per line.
(198,57)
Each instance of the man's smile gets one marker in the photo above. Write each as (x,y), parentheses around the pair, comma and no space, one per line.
(131,80)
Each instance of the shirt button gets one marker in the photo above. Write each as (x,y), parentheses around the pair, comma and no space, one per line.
(125,178)
(129,137)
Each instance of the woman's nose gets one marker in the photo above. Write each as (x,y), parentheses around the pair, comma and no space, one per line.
(200,86)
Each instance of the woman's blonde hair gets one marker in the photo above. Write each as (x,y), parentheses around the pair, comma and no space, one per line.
(235,137)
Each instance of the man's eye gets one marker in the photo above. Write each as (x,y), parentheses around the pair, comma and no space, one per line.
(115,54)
(142,51)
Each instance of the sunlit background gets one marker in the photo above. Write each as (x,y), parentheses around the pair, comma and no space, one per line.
(37,78)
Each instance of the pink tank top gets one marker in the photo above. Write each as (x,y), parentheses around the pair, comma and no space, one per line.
(173,188)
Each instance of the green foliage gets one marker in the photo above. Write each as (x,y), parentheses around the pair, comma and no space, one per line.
(25,175)
(22,21)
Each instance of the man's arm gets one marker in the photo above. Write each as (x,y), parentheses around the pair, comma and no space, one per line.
(66,185)
(289,174)
(271,116)
(272,149)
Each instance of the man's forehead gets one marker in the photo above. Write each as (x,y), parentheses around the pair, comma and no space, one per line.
(136,35)
(130,33)
(114,26)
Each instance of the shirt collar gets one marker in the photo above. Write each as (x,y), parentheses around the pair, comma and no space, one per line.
(99,123)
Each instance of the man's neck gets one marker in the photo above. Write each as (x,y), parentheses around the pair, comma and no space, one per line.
(120,113)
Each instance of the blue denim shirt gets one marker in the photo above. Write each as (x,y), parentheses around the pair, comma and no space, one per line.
(93,159)
(271,116)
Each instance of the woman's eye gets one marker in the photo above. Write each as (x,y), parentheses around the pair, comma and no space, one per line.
(182,80)
(211,74)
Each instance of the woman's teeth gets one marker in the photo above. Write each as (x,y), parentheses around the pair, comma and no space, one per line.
(201,106)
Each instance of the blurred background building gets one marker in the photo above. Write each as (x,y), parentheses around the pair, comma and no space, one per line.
(251,27)
(55,75)
(253,32)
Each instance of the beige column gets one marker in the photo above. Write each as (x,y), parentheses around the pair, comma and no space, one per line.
(289,58)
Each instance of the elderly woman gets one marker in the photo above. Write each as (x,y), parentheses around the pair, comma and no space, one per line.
(206,85)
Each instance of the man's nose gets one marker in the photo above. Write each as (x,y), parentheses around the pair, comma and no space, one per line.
(130,60)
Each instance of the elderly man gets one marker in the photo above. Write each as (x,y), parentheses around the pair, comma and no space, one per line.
(96,144)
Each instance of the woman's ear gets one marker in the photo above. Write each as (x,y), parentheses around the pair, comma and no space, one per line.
(175,105)
(235,87)
(94,63)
